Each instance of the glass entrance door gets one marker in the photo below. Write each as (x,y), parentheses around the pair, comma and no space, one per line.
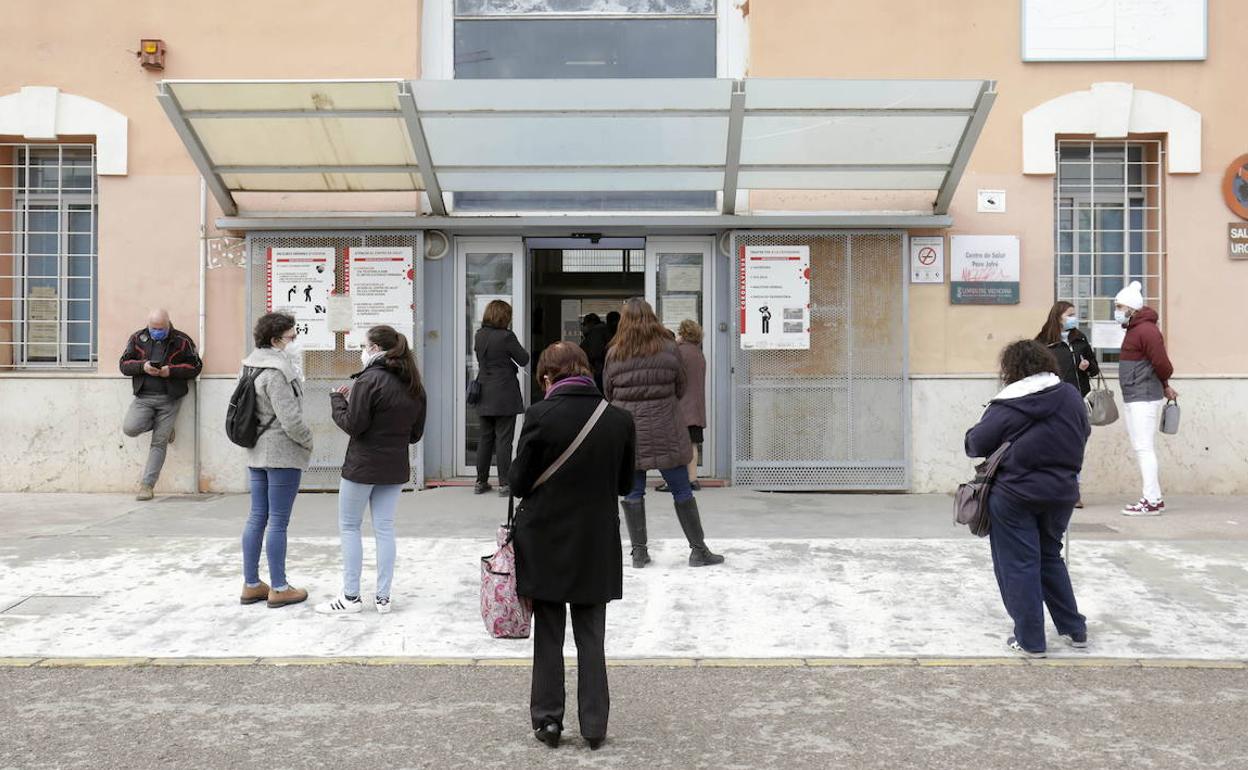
(486,269)
(678,286)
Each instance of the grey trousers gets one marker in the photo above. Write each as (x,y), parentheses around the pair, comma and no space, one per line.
(157,414)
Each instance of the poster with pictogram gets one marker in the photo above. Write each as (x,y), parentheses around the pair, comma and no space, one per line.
(298,282)
(380,282)
(774,297)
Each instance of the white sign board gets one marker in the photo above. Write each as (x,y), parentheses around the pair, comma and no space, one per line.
(1107,335)
(1115,30)
(299,282)
(927,259)
(984,270)
(774,297)
(379,280)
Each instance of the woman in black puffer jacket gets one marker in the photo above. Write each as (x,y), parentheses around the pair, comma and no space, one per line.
(644,375)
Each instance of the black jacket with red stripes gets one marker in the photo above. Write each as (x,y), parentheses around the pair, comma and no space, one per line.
(181,358)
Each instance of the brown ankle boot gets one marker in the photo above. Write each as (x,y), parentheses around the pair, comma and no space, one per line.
(253,595)
(291,595)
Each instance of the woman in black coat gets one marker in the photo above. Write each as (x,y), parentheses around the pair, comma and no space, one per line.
(499,356)
(383,411)
(567,536)
(1076,360)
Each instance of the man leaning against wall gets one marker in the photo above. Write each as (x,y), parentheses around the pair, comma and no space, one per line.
(160,362)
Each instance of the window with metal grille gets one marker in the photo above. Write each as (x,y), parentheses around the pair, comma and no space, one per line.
(1108,200)
(48,256)
(602,261)
(585,39)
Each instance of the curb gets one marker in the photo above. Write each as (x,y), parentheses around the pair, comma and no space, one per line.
(279,662)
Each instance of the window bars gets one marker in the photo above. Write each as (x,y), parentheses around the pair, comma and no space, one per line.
(1109,225)
(48,256)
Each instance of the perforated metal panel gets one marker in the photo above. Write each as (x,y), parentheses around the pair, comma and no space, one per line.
(326,370)
(836,416)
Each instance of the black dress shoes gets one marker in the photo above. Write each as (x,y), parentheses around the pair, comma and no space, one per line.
(595,743)
(549,735)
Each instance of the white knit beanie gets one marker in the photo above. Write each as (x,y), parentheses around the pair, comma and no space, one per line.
(1131,297)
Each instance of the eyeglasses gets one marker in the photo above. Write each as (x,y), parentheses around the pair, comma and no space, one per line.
(290,337)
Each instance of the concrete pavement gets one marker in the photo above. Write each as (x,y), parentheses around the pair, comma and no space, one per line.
(808,576)
(857,718)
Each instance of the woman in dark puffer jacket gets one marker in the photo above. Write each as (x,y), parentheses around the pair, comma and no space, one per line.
(645,376)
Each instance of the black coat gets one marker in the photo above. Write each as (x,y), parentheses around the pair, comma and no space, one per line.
(568,530)
(179,354)
(1069,355)
(594,342)
(382,419)
(499,356)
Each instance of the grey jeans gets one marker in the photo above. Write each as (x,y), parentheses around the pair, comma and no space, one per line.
(157,414)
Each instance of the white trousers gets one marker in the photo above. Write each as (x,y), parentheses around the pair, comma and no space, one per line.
(1142,419)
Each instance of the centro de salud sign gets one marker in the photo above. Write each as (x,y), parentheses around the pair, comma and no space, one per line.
(984,270)
(1237,233)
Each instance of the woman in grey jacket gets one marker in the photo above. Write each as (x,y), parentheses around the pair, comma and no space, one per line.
(277,462)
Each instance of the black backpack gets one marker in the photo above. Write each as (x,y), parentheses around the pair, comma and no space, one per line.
(241,425)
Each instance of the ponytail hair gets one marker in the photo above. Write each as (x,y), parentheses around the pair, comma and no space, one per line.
(398,358)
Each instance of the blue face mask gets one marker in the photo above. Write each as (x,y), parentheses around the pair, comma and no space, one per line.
(1070,322)
(158,334)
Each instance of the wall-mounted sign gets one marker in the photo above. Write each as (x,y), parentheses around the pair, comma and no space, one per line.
(774,296)
(927,259)
(1237,234)
(380,280)
(1235,187)
(990,201)
(298,282)
(984,270)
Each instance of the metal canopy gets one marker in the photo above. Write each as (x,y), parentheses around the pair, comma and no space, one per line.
(564,136)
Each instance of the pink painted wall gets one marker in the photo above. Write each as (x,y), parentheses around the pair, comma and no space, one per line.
(149,219)
(981,39)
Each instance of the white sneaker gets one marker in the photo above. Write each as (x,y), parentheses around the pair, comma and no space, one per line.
(341,606)
(382,604)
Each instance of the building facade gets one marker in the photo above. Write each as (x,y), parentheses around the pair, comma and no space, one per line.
(945,181)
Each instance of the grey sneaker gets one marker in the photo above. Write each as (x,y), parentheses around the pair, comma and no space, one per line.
(1078,641)
(145,493)
(1013,645)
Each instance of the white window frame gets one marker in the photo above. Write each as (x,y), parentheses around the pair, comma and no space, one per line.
(23,201)
(1147,196)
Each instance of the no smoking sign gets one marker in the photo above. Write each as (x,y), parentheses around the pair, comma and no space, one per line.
(927,259)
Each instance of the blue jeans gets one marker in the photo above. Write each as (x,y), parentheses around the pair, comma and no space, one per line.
(273,493)
(382,499)
(1026,540)
(677,481)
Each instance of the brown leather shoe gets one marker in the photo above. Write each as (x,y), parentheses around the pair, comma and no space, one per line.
(253,595)
(291,595)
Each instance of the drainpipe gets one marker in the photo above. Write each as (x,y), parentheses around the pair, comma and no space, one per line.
(203,313)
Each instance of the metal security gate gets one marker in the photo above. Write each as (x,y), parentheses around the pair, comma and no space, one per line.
(326,370)
(836,416)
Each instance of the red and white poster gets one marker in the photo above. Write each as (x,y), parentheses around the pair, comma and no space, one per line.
(380,281)
(774,297)
(299,282)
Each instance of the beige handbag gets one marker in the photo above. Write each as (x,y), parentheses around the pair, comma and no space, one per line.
(1101,407)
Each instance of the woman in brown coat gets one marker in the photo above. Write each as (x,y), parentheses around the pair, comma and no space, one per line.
(644,375)
(693,402)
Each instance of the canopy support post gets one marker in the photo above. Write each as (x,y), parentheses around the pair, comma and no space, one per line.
(732,160)
(199,156)
(420,146)
(962,156)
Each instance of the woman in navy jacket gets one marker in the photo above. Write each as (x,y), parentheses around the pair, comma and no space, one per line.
(1034,492)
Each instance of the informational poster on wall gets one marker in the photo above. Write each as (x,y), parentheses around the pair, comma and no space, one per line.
(984,270)
(299,282)
(570,320)
(774,297)
(674,308)
(380,282)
